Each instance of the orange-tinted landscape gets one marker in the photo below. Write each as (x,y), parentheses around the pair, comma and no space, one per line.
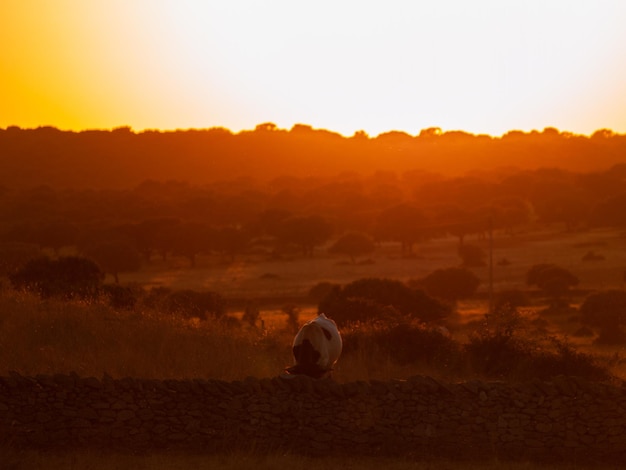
(268,219)
(123,159)
(199,253)
(183,184)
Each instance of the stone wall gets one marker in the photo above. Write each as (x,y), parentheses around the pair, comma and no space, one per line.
(566,419)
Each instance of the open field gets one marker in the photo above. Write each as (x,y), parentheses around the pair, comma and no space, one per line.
(260,276)
(51,336)
(275,283)
(93,339)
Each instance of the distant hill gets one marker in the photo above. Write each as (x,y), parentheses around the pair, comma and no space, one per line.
(121,158)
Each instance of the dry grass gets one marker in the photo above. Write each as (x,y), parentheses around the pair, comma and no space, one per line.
(252,276)
(49,337)
(92,339)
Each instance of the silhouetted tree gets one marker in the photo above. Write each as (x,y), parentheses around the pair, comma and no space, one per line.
(306,232)
(120,297)
(450,284)
(380,299)
(150,235)
(190,239)
(353,245)
(554,280)
(606,310)
(403,223)
(115,257)
(510,300)
(68,277)
(14,255)
(610,212)
(472,255)
(231,241)
(193,304)
(123,158)
(55,235)
(321,290)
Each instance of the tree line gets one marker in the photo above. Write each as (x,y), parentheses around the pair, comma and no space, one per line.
(296,216)
(121,158)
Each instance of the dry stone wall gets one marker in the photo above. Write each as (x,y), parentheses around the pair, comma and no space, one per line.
(566,419)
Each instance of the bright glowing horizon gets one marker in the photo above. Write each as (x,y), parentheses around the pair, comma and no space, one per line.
(485,66)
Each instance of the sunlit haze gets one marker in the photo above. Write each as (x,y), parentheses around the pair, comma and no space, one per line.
(479,66)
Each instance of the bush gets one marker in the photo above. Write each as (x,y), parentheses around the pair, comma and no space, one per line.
(500,349)
(473,256)
(450,284)
(14,255)
(120,297)
(353,245)
(380,299)
(404,343)
(156,298)
(565,360)
(611,337)
(510,299)
(321,290)
(115,257)
(553,280)
(191,304)
(496,353)
(412,343)
(69,277)
(605,309)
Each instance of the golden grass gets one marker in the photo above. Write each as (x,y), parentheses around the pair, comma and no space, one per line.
(92,339)
(250,275)
(48,337)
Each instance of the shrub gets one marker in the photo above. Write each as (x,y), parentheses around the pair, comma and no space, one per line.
(410,343)
(156,298)
(583,331)
(611,336)
(115,257)
(511,299)
(251,313)
(353,245)
(500,349)
(321,290)
(473,256)
(450,284)
(120,297)
(404,343)
(380,299)
(565,360)
(605,309)
(553,280)
(192,304)
(68,277)
(496,353)
(14,255)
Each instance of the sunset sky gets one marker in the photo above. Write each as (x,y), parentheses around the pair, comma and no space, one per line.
(483,66)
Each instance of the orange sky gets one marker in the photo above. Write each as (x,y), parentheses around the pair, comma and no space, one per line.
(345,65)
